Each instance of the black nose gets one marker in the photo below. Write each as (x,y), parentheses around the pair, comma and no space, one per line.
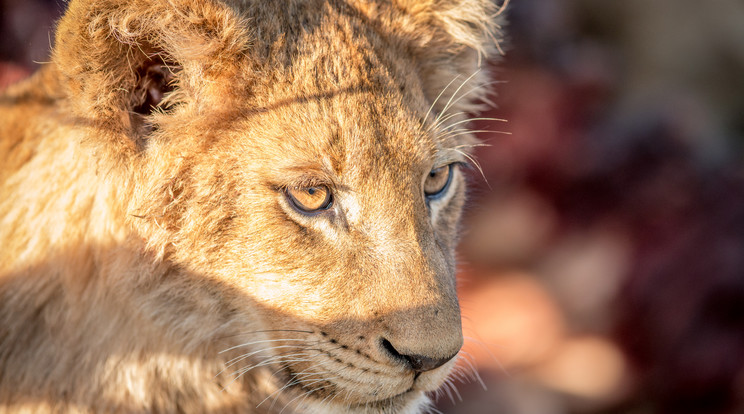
(418,363)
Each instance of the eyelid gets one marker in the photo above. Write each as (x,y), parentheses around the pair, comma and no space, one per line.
(302,175)
(454,164)
(461,164)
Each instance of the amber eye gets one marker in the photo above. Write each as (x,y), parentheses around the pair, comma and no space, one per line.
(437,181)
(310,199)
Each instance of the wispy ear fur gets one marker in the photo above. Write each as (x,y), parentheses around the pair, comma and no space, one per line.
(454,39)
(451,37)
(103,45)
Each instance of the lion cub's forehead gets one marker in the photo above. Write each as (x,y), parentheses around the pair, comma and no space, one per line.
(308,50)
(354,136)
(339,94)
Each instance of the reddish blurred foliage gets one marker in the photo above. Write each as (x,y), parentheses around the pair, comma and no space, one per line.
(10,74)
(624,205)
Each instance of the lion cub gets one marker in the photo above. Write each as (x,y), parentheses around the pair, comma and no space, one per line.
(237,206)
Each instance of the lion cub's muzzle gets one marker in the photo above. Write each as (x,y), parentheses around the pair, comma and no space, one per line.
(397,354)
(401,350)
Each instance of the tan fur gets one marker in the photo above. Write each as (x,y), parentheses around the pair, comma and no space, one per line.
(151,262)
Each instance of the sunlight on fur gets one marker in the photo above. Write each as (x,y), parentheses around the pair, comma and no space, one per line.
(235,206)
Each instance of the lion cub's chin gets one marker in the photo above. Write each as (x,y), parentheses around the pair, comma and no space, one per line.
(381,396)
(413,402)
(410,402)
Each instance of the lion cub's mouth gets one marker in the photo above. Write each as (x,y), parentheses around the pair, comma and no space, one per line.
(351,373)
(333,379)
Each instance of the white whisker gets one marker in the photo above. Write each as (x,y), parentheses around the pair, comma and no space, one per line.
(269,361)
(433,409)
(476,145)
(448,105)
(439,96)
(442,121)
(485,347)
(474,119)
(301,395)
(291,383)
(473,89)
(475,371)
(475,163)
(243,357)
(259,342)
(457,392)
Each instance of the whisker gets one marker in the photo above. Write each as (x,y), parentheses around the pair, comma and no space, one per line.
(447,106)
(446,388)
(324,400)
(271,358)
(438,393)
(283,358)
(475,371)
(476,164)
(463,131)
(296,379)
(487,349)
(301,395)
(308,395)
(290,384)
(258,342)
(476,145)
(474,119)
(474,89)
(433,409)
(441,122)
(250,354)
(439,96)
(479,131)
(461,375)
(266,331)
(457,392)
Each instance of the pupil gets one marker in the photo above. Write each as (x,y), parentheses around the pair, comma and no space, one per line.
(311,191)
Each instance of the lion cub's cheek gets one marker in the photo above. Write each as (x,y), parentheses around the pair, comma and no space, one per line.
(278,292)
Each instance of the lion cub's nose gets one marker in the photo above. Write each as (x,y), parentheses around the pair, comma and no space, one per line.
(418,363)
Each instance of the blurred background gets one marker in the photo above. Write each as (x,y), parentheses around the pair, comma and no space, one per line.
(603,259)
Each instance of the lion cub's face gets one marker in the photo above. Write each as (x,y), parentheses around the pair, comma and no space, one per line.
(333,213)
(345,238)
(314,176)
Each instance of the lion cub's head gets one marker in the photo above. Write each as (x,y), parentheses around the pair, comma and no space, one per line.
(304,159)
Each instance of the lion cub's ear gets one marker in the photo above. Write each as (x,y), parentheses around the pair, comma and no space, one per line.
(454,39)
(124,62)
(155,81)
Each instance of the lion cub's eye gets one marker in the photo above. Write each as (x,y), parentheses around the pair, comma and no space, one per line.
(310,199)
(437,181)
